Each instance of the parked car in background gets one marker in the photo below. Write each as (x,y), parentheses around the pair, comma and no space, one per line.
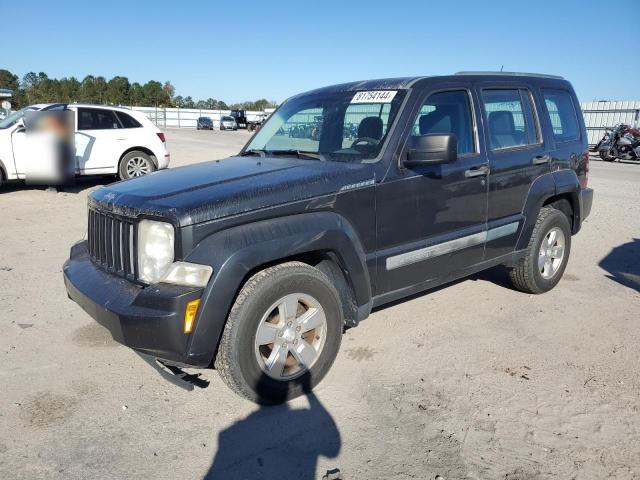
(256,266)
(108,140)
(228,123)
(204,123)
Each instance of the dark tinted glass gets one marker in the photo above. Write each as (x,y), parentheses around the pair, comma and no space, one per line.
(128,121)
(96,119)
(562,114)
(447,112)
(509,118)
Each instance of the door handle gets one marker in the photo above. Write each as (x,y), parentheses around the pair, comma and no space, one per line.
(540,159)
(476,172)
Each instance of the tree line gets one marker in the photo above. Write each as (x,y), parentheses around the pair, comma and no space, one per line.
(39,88)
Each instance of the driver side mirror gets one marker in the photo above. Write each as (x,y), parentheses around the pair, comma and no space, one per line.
(20,127)
(432,149)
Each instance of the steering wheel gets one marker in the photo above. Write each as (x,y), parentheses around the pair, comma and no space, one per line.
(371,142)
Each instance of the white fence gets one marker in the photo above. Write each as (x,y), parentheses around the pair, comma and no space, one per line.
(600,115)
(186,117)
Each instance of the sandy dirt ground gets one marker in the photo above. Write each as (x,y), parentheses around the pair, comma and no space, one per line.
(474,380)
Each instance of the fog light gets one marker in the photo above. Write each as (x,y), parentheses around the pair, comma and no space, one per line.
(190,315)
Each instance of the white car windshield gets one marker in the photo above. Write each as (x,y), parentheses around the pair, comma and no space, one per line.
(14,117)
(330,125)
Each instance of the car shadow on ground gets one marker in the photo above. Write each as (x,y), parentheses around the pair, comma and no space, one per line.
(78,185)
(623,264)
(276,442)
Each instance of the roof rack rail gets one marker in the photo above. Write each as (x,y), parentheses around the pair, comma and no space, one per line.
(512,74)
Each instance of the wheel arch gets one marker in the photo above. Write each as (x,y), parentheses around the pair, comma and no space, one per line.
(3,172)
(321,239)
(146,150)
(559,190)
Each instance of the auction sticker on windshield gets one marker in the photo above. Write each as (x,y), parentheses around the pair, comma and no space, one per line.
(374,96)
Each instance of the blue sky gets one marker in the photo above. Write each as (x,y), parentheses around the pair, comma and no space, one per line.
(241,50)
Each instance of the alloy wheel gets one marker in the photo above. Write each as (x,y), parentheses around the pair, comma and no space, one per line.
(290,336)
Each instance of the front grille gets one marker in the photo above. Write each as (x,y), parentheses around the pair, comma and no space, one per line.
(111,241)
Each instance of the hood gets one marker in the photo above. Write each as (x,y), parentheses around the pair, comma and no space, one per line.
(211,190)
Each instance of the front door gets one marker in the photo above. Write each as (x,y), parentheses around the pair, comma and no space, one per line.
(99,137)
(431,219)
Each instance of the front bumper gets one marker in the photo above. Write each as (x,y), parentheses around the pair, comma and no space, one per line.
(147,319)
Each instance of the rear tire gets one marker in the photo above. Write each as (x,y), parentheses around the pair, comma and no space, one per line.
(265,349)
(547,253)
(135,164)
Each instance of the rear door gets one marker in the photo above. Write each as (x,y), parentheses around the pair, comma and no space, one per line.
(517,155)
(99,140)
(568,143)
(431,219)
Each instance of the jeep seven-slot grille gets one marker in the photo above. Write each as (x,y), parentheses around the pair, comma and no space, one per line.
(111,243)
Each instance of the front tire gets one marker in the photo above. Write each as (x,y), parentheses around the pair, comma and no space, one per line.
(135,164)
(547,253)
(605,156)
(282,335)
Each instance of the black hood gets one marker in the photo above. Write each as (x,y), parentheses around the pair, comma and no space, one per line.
(216,189)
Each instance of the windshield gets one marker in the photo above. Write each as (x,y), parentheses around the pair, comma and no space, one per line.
(343,126)
(228,119)
(14,117)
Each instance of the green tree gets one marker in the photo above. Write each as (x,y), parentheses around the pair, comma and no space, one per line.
(68,90)
(178,101)
(8,80)
(154,95)
(117,91)
(136,95)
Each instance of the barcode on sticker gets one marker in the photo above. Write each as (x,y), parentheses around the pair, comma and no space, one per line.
(374,96)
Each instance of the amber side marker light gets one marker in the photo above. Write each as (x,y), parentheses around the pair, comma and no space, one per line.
(190,315)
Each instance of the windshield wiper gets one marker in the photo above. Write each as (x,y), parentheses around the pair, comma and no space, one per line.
(298,153)
(259,153)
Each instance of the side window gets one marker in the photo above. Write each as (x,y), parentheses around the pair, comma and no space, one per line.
(562,114)
(447,112)
(97,119)
(127,120)
(510,118)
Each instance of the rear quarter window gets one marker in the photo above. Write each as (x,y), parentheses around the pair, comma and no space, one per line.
(562,114)
(128,121)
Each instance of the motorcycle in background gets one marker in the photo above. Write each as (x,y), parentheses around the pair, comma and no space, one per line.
(621,142)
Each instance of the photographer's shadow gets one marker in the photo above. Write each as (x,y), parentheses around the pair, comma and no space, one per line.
(276,442)
(623,264)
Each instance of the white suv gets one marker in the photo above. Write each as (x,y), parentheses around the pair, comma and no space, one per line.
(108,140)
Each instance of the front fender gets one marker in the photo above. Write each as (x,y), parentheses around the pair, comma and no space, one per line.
(237,251)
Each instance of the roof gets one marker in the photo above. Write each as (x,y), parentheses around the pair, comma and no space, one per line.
(88,105)
(510,74)
(407,82)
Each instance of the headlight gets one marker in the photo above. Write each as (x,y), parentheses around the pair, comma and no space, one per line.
(155,249)
(189,274)
(155,258)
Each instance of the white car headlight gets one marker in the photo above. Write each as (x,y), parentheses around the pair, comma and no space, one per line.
(156,254)
(155,249)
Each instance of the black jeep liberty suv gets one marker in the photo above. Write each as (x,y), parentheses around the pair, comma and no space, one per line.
(349,197)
